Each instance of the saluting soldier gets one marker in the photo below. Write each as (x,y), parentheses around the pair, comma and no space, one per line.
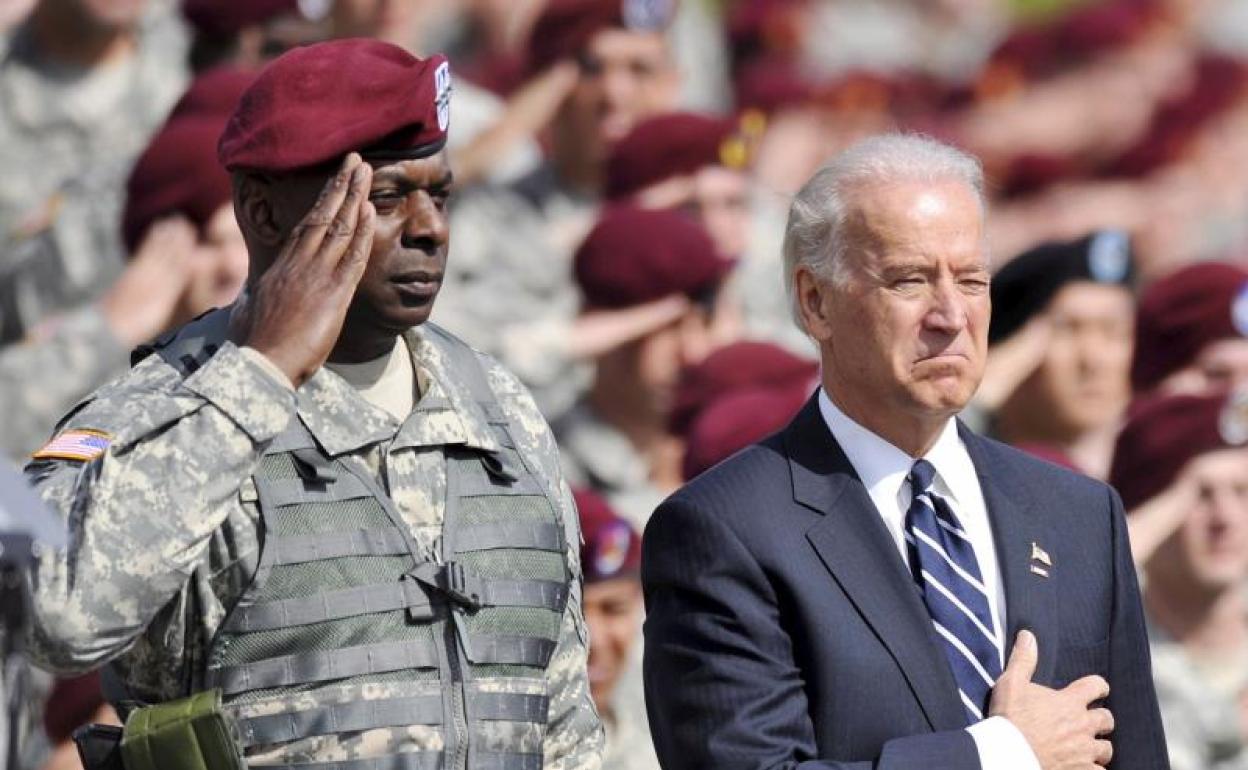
(342,518)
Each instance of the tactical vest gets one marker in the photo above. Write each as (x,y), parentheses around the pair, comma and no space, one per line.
(344,594)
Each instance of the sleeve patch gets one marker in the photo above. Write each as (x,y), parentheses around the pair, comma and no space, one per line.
(79,444)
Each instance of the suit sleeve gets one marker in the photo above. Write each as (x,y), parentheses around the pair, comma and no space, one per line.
(1139,742)
(722,688)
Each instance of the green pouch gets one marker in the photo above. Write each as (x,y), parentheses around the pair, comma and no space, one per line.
(188,734)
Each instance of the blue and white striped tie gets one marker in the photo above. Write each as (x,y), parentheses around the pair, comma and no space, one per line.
(953,588)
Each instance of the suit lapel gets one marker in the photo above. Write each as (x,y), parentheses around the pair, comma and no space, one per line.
(1030,597)
(854,545)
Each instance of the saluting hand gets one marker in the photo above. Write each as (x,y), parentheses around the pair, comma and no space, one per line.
(294,312)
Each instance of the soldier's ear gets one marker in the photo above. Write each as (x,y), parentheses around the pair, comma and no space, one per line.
(253,206)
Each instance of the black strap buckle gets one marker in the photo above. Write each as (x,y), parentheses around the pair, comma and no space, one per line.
(452,581)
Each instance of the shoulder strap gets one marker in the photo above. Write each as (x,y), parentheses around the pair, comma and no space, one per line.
(189,347)
(468,363)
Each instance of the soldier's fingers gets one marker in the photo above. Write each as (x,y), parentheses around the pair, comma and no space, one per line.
(1104,753)
(305,239)
(1088,689)
(351,268)
(341,230)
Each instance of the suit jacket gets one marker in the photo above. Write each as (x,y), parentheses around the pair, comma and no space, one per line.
(783,629)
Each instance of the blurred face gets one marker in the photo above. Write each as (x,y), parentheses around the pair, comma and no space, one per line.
(625,76)
(904,335)
(720,199)
(662,355)
(110,14)
(388,20)
(1221,365)
(221,256)
(613,615)
(1209,552)
(1083,381)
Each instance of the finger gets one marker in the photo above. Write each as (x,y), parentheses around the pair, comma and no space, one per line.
(339,235)
(307,236)
(1104,753)
(351,268)
(1022,662)
(1104,721)
(1088,689)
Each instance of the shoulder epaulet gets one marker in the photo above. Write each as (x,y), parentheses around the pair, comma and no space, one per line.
(189,347)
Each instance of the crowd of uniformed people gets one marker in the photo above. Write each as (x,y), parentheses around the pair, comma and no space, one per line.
(622,171)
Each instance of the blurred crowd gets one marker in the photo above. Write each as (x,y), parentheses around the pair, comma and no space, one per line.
(623,170)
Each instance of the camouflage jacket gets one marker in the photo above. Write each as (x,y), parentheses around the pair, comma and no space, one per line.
(164,517)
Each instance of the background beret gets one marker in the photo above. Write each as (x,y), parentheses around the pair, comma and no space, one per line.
(314,104)
(671,145)
(1165,432)
(223,18)
(214,93)
(178,173)
(633,256)
(565,27)
(736,420)
(737,366)
(611,547)
(1181,313)
(1026,284)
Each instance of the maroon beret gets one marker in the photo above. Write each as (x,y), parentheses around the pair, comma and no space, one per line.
(313,105)
(178,173)
(71,704)
(670,145)
(214,93)
(223,18)
(1165,432)
(565,27)
(633,256)
(610,547)
(1182,313)
(735,421)
(737,366)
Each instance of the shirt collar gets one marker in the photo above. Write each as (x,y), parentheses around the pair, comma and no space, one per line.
(883,466)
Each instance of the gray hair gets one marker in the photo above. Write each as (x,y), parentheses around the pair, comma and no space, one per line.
(815,234)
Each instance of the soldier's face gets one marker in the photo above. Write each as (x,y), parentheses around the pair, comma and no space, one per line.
(1209,552)
(408,256)
(613,615)
(625,76)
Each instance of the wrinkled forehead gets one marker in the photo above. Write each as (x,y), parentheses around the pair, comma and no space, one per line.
(415,172)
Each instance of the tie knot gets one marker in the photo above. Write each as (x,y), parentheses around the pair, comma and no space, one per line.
(921,475)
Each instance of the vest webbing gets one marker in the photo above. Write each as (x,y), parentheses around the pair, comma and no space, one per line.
(344,595)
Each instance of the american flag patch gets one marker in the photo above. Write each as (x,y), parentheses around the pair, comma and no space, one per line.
(79,444)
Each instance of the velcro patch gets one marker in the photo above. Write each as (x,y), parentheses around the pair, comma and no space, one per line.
(79,444)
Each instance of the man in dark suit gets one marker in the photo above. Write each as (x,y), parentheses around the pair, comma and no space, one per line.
(875,586)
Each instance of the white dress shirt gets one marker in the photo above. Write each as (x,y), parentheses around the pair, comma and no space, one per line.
(884,469)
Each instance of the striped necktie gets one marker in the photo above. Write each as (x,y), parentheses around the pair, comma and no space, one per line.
(953,589)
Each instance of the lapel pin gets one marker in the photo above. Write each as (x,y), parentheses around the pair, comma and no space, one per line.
(1040,555)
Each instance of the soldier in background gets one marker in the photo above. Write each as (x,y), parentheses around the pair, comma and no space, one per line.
(617,440)
(611,557)
(187,256)
(344,519)
(83,86)
(1181,461)
(605,65)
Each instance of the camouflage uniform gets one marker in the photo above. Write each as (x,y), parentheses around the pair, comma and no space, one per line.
(167,524)
(48,373)
(629,745)
(598,456)
(1201,718)
(508,288)
(67,140)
